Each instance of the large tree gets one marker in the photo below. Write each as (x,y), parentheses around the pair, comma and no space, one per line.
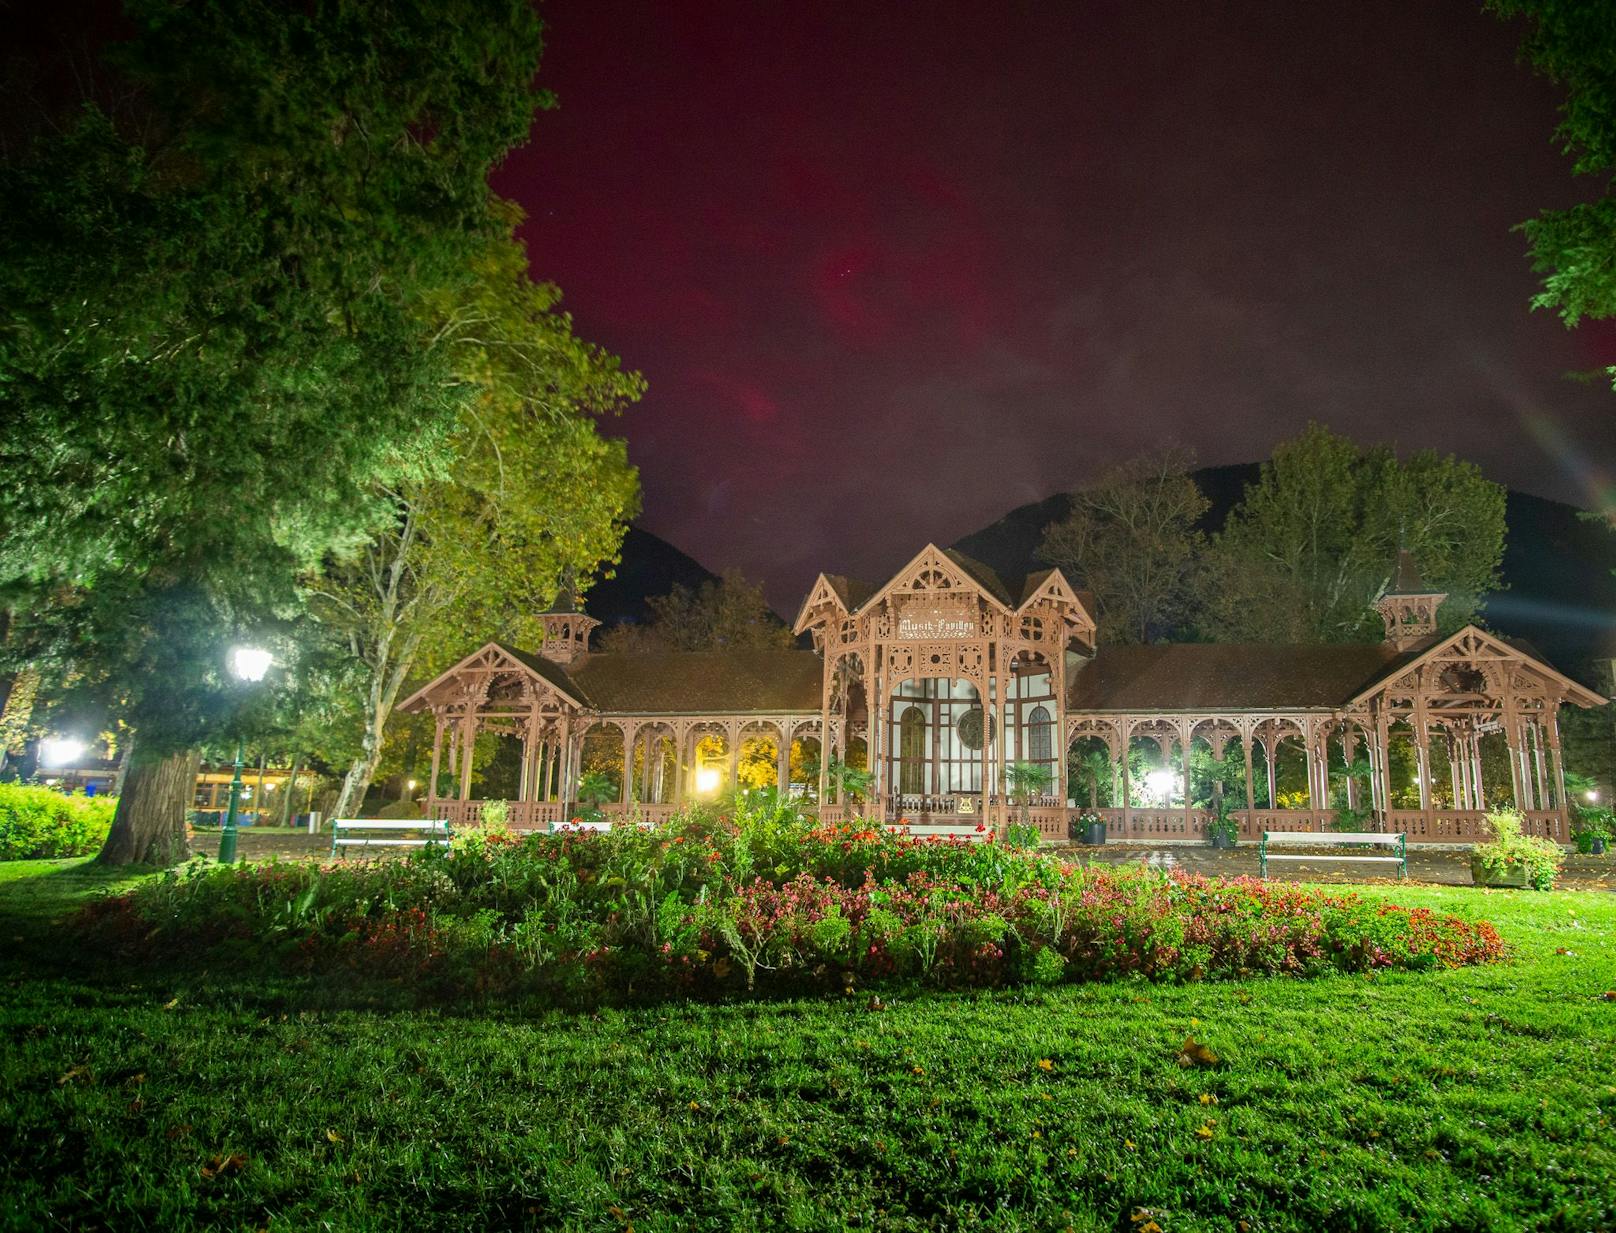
(535,498)
(222,279)
(727,613)
(1314,541)
(1130,538)
(1573,43)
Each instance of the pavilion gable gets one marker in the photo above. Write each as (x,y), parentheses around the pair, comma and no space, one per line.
(1472,663)
(933,571)
(473,680)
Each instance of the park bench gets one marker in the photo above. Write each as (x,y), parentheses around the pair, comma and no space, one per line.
(1309,839)
(942,830)
(411,833)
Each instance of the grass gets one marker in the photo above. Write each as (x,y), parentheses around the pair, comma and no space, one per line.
(1479,1098)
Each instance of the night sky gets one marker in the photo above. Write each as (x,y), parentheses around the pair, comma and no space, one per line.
(891,270)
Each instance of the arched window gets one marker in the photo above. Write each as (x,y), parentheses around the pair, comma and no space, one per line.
(912,751)
(1040,736)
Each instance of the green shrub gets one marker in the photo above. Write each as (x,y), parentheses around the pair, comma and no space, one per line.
(39,823)
(1510,850)
(402,810)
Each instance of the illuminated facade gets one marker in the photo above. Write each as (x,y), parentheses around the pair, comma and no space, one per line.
(945,679)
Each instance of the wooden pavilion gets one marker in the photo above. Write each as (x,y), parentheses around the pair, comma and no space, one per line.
(947,675)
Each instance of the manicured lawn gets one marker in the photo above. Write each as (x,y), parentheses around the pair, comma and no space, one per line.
(1480,1098)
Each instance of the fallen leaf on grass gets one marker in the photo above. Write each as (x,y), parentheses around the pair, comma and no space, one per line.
(173,1004)
(875,1003)
(1204,1130)
(1193,1053)
(1045,1063)
(179,1132)
(1610,995)
(333,1136)
(1207,1098)
(73,1072)
(218,1166)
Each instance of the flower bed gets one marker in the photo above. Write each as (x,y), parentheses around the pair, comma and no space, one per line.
(705,905)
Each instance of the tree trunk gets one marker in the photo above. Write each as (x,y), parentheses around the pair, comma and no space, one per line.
(149,825)
(360,772)
(291,787)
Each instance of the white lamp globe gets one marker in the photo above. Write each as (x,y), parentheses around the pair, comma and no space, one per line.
(249,663)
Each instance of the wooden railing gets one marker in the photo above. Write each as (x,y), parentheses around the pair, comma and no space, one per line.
(1141,826)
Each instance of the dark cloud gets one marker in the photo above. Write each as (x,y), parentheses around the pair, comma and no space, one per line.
(891,271)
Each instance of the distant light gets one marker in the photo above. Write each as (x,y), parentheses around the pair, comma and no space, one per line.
(1160,783)
(409,785)
(1592,794)
(60,750)
(707,779)
(250,663)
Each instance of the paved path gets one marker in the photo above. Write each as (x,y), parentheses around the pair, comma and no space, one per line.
(1436,865)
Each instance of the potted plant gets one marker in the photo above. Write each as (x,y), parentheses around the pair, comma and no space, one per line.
(1592,833)
(1223,830)
(1088,827)
(1514,859)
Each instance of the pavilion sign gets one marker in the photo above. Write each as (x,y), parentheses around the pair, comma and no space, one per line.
(933,625)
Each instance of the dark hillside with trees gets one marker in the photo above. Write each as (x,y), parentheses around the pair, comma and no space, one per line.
(1559,568)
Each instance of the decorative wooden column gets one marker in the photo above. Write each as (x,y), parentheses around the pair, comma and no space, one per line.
(1539,781)
(1126,724)
(782,763)
(732,738)
(564,769)
(1185,727)
(1561,804)
(1246,736)
(626,794)
(468,741)
(437,757)
(680,738)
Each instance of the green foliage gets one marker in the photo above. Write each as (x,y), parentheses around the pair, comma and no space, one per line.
(728,614)
(766,901)
(1314,541)
(1027,779)
(1510,852)
(848,784)
(1591,825)
(1131,539)
(598,787)
(36,822)
(1573,44)
(220,318)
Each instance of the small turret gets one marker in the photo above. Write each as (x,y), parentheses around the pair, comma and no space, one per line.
(1408,606)
(566,630)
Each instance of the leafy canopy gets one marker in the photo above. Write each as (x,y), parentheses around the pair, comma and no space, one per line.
(215,358)
(1314,541)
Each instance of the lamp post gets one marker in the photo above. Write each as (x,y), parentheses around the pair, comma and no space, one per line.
(248,663)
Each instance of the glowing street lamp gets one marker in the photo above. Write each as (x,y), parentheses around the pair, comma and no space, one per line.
(707,778)
(60,750)
(248,664)
(1592,794)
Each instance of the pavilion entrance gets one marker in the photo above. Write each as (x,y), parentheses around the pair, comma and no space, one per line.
(937,753)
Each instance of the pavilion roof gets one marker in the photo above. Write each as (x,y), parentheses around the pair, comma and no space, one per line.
(850,591)
(701,682)
(1206,676)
